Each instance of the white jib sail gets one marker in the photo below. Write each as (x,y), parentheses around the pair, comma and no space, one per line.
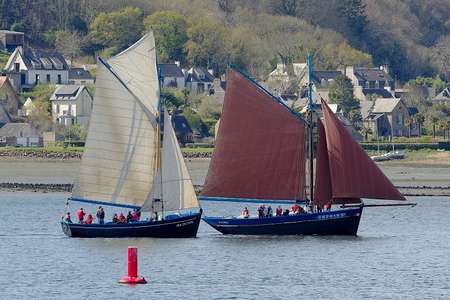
(118,163)
(136,66)
(177,188)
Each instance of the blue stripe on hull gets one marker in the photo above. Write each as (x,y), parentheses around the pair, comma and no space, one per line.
(339,222)
(185,226)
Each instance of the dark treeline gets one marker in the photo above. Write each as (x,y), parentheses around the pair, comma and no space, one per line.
(410,36)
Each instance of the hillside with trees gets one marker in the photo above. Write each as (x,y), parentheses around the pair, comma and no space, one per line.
(412,37)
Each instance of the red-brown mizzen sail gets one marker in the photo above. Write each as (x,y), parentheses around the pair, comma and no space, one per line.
(353,174)
(259,150)
(322,187)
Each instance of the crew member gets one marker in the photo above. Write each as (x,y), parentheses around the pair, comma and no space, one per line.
(80,215)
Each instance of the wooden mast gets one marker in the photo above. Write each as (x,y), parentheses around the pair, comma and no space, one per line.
(310,131)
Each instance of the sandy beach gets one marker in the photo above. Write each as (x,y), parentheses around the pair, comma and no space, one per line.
(428,176)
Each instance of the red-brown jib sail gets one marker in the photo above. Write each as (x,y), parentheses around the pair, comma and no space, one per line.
(259,151)
(351,172)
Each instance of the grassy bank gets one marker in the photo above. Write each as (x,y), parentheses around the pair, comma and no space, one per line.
(42,149)
(423,157)
(413,157)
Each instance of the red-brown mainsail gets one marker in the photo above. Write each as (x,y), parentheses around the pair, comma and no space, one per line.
(351,173)
(259,152)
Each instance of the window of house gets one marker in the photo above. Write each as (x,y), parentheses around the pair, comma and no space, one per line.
(371,84)
(400,119)
(381,83)
(200,88)
(59,79)
(17,67)
(37,79)
(48,78)
(57,108)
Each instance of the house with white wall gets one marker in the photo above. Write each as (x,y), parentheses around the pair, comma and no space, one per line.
(71,104)
(171,75)
(371,81)
(200,80)
(32,67)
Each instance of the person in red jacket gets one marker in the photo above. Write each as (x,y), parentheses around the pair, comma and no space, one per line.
(122,218)
(89,219)
(80,215)
(278,211)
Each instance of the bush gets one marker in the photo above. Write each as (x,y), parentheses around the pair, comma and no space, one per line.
(399,146)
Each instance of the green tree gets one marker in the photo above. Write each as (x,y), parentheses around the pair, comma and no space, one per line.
(341,92)
(172,97)
(208,45)
(353,11)
(118,29)
(170,29)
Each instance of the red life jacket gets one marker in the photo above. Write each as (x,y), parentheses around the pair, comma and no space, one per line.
(80,214)
(89,219)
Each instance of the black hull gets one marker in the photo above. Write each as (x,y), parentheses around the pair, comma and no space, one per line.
(182,227)
(344,222)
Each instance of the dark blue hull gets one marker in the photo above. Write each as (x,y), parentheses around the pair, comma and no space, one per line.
(336,222)
(180,227)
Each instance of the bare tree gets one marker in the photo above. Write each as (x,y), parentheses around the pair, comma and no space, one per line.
(442,54)
(69,43)
(286,7)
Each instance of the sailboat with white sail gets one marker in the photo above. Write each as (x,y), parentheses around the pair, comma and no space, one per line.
(132,158)
(262,154)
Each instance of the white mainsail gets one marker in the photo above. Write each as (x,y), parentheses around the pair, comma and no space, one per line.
(136,67)
(119,161)
(177,188)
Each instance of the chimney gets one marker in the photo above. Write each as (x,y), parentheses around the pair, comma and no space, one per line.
(177,63)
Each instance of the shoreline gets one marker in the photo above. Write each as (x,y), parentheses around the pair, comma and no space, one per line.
(419,190)
(37,155)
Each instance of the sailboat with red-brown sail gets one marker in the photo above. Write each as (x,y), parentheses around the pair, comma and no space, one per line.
(261,155)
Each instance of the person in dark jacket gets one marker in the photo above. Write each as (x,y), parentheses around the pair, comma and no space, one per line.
(129,217)
(100,215)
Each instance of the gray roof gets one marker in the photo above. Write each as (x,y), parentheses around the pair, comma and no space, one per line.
(199,74)
(444,95)
(180,124)
(379,92)
(383,105)
(67,92)
(327,76)
(80,74)
(371,74)
(10,32)
(40,60)
(170,70)
(18,130)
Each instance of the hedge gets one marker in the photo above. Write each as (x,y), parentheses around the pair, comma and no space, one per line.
(400,146)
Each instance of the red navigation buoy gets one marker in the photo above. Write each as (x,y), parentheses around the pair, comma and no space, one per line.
(132,277)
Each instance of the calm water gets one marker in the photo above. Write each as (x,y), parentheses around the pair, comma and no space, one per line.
(400,253)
